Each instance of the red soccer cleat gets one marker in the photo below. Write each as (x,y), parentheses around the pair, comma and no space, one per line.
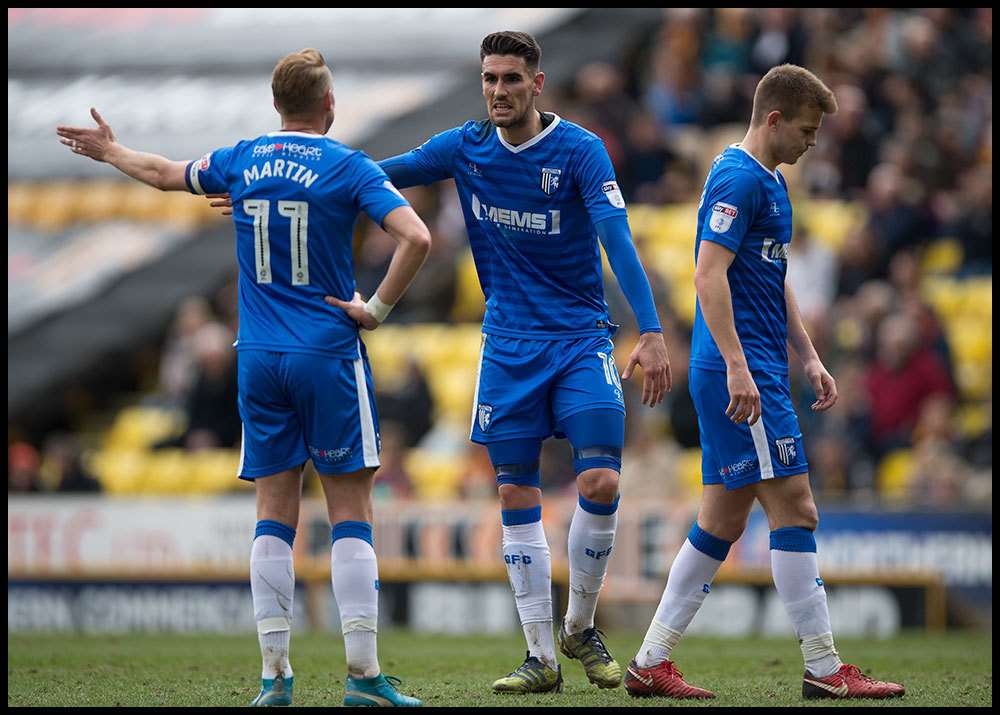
(848,682)
(662,680)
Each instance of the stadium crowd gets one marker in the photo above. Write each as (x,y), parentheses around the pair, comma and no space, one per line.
(911,146)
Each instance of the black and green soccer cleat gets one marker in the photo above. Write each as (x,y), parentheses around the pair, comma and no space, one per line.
(588,648)
(533,676)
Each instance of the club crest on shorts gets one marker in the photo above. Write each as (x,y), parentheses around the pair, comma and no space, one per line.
(550,180)
(485,415)
(786,450)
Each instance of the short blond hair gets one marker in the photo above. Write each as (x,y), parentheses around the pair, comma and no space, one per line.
(299,82)
(790,89)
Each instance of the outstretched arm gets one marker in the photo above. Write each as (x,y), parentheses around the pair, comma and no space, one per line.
(99,144)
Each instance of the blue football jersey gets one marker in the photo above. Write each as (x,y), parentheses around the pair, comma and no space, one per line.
(745,207)
(530,212)
(295,199)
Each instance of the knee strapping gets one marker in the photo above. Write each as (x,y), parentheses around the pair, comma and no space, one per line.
(597,458)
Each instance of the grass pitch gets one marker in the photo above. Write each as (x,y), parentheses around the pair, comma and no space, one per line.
(211,670)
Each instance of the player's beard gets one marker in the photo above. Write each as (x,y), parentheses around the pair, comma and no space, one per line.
(516,122)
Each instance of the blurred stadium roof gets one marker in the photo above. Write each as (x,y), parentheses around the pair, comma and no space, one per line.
(183,81)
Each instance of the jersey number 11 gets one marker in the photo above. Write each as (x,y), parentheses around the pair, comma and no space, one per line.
(298,212)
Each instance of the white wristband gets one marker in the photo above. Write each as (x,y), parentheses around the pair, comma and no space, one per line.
(377,309)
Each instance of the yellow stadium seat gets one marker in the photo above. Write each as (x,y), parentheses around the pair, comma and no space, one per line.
(943,256)
(689,471)
(469,303)
(974,419)
(830,221)
(894,472)
(140,427)
(20,198)
(434,477)
(120,471)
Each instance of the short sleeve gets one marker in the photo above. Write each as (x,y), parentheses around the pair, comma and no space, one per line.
(732,200)
(372,191)
(209,174)
(595,177)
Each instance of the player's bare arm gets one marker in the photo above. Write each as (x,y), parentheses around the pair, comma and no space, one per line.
(99,143)
(711,281)
(821,380)
(413,242)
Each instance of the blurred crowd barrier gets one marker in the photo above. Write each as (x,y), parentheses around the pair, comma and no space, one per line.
(886,570)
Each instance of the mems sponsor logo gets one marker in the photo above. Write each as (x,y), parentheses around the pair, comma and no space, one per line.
(541,224)
(774,252)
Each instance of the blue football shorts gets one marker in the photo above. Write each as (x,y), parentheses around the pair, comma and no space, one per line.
(737,454)
(296,407)
(526,388)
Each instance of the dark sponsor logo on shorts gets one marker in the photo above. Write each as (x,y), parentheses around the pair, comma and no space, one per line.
(332,456)
(734,470)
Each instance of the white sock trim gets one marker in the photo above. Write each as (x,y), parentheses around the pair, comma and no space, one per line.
(350,625)
(816,647)
(270,625)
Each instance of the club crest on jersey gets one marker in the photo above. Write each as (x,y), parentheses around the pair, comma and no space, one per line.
(485,415)
(550,180)
(786,450)
(722,217)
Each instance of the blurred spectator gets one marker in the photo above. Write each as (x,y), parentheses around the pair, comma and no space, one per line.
(812,271)
(903,377)
(600,93)
(62,465)
(478,477)
(213,417)
(673,95)
(647,157)
(894,222)
(179,362)
(392,478)
(23,468)
(409,404)
(212,413)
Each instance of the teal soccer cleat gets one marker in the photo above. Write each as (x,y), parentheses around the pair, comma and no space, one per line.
(377,692)
(274,692)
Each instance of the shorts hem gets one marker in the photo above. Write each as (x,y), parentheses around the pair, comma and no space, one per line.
(754,477)
(344,469)
(590,407)
(259,472)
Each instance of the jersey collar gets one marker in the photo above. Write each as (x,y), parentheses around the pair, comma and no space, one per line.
(307,135)
(531,142)
(772,174)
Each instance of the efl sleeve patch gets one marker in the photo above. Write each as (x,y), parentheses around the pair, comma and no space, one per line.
(722,217)
(613,194)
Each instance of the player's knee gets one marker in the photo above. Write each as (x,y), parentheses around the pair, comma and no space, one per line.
(598,485)
(727,528)
(514,496)
(809,516)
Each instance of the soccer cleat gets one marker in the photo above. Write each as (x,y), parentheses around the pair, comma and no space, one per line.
(533,676)
(274,692)
(662,680)
(848,682)
(377,692)
(589,649)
